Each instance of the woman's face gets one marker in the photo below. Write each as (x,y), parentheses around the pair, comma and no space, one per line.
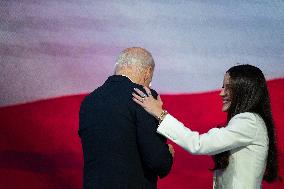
(226,93)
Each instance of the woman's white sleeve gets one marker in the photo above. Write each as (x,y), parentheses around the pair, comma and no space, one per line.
(240,131)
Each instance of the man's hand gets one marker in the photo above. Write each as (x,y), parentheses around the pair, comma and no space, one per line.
(171,149)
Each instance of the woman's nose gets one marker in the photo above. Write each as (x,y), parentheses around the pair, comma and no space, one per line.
(222,93)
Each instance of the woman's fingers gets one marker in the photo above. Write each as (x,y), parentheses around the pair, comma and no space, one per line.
(140,92)
(146,101)
(171,149)
(136,96)
(148,91)
(138,101)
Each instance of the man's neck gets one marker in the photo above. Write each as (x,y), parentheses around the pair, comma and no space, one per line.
(135,77)
(127,77)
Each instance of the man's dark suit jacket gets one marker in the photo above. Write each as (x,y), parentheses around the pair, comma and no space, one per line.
(120,145)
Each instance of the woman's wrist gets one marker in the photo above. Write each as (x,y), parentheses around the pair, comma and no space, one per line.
(157,113)
(162,116)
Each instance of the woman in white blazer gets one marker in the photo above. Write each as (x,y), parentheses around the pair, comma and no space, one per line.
(244,152)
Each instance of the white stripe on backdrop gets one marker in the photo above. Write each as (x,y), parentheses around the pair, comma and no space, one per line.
(54,48)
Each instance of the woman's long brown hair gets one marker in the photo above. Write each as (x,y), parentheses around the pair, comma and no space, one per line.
(250,94)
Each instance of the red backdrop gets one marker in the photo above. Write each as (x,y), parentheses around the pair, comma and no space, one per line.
(40,147)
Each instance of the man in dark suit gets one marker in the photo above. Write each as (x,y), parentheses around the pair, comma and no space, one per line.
(120,145)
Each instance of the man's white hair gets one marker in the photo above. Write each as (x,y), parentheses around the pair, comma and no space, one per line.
(136,57)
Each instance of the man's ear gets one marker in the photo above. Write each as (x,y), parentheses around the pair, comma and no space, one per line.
(148,76)
(149,71)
